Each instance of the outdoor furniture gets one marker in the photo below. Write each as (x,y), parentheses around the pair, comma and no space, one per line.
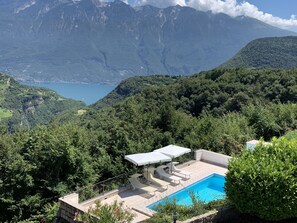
(161,172)
(142,159)
(136,184)
(149,175)
(174,169)
(173,151)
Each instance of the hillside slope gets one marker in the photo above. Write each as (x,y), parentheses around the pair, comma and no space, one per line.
(26,106)
(218,110)
(92,41)
(132,86)
(267,53)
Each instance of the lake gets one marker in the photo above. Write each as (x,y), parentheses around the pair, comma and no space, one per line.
(88,93)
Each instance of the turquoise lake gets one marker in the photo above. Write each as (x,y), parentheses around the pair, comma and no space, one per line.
(88,93)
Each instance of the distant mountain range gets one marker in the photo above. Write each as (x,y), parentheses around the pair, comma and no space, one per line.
(24,106)
(267,53)
(92,41)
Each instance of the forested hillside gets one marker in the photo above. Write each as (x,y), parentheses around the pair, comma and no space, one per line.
(24,106)
(217,110)
(267,53)
(133,86)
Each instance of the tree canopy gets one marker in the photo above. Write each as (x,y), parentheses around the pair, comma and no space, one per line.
(217,110)
(263,182)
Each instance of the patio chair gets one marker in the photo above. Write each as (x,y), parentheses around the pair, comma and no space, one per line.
(136,184)
(149,175)
(161,172)
(174,169)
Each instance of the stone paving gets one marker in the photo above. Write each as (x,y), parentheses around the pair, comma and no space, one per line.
(137,201)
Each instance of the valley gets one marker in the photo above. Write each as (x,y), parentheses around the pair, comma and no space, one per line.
(168,76)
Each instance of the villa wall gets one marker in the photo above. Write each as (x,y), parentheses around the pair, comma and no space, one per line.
(69,207)
(212,157)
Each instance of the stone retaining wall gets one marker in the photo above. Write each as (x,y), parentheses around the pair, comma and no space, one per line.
(215,216)
(69,207)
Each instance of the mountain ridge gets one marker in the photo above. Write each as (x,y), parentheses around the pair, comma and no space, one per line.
(277,52)
(91,41)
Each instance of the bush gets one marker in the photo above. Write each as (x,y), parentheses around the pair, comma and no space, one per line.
(217,204)
(184,212)
(263,182)
(106,214)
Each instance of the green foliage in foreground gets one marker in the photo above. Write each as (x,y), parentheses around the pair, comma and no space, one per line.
(263,182)
(184,211)
(291,135)
(39,166)
(104,213)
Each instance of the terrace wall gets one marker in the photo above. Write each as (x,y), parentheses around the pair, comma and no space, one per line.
(212,157)
(69,207)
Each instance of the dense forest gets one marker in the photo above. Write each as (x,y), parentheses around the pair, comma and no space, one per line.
(218,110)
(273,52)
(24,106)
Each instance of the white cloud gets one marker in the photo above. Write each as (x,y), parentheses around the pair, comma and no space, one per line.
(161,3)
(229,7)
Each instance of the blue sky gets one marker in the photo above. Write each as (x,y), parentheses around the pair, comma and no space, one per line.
(280,8)
(280,13)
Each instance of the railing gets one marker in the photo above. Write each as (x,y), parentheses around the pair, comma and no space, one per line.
(102,187)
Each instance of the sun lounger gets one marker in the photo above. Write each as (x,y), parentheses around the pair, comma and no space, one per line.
(174,169)
(138,185)
(161,172)
(149,175)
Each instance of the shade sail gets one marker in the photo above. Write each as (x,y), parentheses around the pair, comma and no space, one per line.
(173,150)
(141,159)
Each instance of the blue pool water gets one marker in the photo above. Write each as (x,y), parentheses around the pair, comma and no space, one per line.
(208,189)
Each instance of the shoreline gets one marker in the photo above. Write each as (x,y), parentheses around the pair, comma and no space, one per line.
(64,82)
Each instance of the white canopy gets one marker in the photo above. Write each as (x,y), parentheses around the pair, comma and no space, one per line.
(173,150)
(141,159)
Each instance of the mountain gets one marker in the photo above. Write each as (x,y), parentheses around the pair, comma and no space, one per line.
(266,53)
(93,41)
(25,106)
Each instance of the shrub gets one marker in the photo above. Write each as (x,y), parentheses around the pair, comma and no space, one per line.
(184,212)
(263,182)
(217,204)
(106,214)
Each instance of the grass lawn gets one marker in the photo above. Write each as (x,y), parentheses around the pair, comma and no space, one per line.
(81,112)
(4,113)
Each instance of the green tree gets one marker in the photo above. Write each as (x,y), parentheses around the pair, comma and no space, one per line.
(263,182)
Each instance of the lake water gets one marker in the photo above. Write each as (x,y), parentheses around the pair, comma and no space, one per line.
(88,93)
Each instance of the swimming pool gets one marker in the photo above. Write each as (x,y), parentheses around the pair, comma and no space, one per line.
(208,189)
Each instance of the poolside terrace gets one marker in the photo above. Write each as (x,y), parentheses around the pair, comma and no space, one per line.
(204,164)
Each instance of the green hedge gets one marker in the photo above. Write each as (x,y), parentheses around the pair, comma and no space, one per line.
(263,182)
